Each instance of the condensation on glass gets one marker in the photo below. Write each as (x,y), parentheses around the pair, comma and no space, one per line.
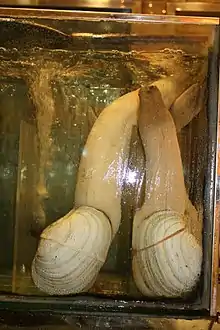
(109,136)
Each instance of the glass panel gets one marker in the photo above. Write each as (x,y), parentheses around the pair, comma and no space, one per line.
(125,175)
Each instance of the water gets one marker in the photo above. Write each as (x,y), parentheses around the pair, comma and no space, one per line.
(50,100)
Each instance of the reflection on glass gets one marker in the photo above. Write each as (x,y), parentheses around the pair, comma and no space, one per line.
(103,156)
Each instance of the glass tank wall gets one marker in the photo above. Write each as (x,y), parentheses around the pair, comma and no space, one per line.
(105,140)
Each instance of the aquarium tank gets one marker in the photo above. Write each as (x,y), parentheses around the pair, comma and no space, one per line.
(108,140)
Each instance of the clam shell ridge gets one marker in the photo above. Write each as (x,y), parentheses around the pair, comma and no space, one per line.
(71,252)
(167,258)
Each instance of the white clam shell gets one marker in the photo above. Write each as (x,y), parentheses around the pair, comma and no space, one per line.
(71,252)
(167,258)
